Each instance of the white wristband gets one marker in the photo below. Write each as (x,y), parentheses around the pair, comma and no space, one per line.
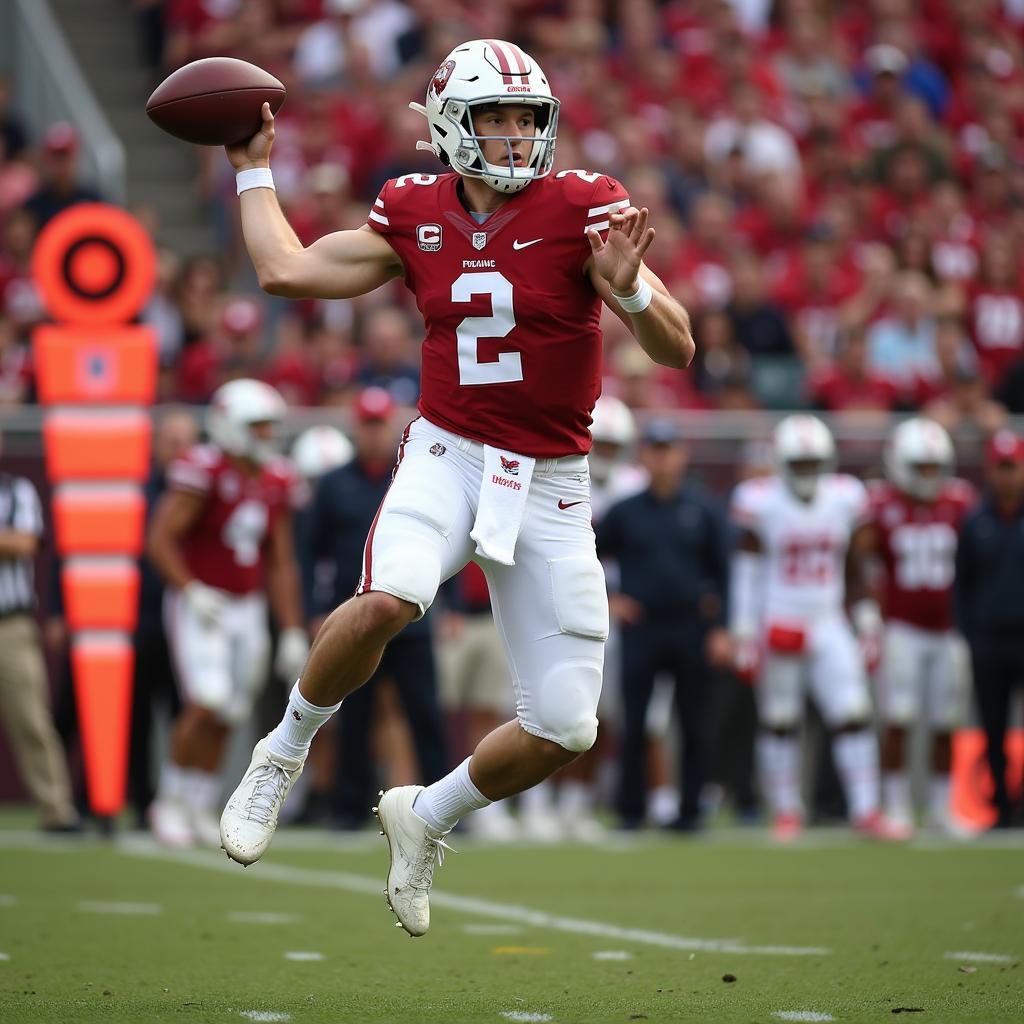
(254,177)
(639,300)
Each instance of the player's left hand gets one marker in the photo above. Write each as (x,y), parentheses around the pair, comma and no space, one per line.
(618,259)
(292,649)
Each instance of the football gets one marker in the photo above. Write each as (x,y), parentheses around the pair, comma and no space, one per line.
(215,101)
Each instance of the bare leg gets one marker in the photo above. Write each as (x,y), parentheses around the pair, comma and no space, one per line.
(349,645)
(197,739)
(511,760)
(893,742)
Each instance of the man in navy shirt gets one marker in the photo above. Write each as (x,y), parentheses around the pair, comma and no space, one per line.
(344,508)
(989,593)
(671,544)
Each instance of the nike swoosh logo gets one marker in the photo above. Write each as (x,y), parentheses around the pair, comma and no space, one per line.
(563,505)
(525,245)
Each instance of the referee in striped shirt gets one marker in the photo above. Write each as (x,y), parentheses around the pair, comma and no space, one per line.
(24,691)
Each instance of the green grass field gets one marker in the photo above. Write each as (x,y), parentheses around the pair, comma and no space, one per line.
(647,930)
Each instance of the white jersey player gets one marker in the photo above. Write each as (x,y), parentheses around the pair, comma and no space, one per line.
(787,615)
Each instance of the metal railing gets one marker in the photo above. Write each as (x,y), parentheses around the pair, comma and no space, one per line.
(50,87)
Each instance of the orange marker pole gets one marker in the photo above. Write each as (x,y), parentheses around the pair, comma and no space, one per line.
(95,266)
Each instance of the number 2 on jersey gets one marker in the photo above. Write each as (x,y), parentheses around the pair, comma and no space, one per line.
(509,365)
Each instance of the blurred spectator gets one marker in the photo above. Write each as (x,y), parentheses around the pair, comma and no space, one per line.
(233,351)
(60,186)
(24,691)
(995,308)
(13,132)
(15,366)
(719,358)
(758,324)
(850,384)
(19,298)
(18,179)
(388,355)
(346,502)
(901,346)
(990,605)
(672,551)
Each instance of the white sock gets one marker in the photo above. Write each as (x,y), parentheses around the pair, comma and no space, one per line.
(297,728)
(896,794)
(173,782)
(575,800)
(442,804)
(203,789)
(537,800)
(663,805)
(856,755)
(779,767)
(938,796)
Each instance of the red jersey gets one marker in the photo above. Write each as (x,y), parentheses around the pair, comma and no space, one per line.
(996,319)
(227,546)
(918,547)
(512,354)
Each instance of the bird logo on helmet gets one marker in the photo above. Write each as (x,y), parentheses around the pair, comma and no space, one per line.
(804,451)
(919,458)
(484,73)
(235,409)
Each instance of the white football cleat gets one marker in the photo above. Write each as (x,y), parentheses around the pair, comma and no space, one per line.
(250,817)
(415,847)
(171,823)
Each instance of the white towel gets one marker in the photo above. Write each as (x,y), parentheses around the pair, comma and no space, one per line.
(502,505)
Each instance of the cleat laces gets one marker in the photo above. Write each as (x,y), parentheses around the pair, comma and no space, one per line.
(271,787)
(422,874)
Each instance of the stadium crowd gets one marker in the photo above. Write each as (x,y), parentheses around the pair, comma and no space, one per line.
(838,195)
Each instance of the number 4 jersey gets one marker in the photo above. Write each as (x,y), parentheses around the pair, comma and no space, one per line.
(917,542)
(226,546)
(512,354)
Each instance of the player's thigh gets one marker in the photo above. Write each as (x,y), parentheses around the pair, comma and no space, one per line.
(901,674)
(250,654)
(779,693)
(201,654)
(551,609)
(420,535)
(948,681)
(838,680)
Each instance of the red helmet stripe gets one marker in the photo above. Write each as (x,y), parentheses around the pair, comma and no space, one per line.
(502,58)
(519,57)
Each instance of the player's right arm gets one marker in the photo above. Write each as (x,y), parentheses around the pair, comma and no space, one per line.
(338,266)
(176,513)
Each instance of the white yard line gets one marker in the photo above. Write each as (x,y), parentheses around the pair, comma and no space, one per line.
(113,907)
(809,1015)
(492,929)
(5,956)
(983,958)
(264,1015)
(526,1018)
(512,913)
(612,954)
(6,900)
(304,956)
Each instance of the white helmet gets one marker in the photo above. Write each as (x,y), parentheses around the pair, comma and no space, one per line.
(482,73)
(805,439)
(612,422)
(234,408)
(915,443)
(319,449)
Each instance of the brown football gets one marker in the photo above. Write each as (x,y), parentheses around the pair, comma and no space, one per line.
(215,101)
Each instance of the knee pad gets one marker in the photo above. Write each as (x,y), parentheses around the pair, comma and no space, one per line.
(566,705)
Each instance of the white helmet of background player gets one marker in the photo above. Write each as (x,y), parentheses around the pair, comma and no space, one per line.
(919,458)
(613,430)
(804,449)
(482,73)
(235,408)
(320,449)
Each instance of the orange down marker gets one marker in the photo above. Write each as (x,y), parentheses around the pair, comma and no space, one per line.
(95,267)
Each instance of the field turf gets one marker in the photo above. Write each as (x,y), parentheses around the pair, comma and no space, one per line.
(725,928)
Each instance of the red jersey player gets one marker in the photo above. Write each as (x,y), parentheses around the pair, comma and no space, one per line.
(222,538)
(915,519)
(509,264)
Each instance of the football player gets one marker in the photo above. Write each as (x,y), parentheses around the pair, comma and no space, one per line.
(509,264)
(797,528)
(222,539)
(914,525)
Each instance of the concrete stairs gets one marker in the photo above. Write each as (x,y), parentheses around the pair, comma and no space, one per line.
(161,171)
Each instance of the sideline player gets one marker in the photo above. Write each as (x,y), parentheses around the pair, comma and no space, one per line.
(914,527)
(509,264)
(798,527)
(222,539)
